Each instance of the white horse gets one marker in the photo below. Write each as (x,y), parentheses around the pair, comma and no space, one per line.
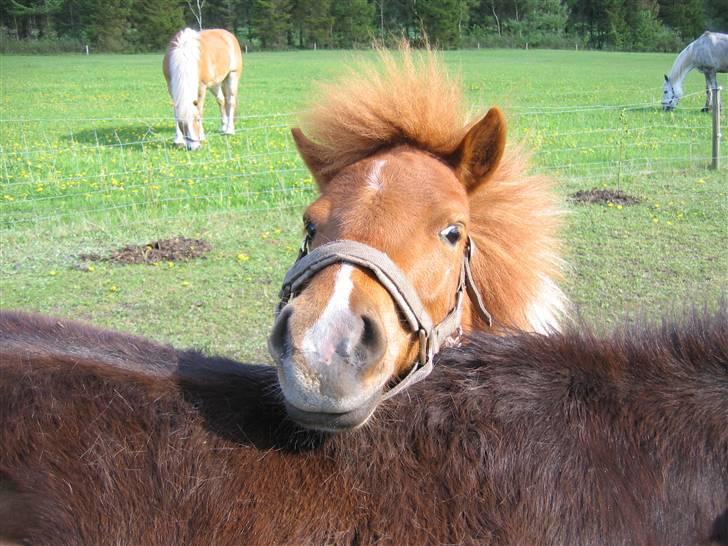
(196,61)
(708,54)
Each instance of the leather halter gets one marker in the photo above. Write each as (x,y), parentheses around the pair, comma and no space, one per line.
(431,337)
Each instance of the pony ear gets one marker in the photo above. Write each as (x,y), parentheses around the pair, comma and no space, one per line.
(313,156)
(666,78)
(480,151)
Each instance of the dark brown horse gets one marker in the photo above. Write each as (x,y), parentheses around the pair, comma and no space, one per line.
(528,439)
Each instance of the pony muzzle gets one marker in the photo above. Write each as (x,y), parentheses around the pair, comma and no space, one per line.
(192,144)
(330,381)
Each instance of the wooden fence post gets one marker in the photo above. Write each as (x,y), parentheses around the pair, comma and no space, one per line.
(716,128)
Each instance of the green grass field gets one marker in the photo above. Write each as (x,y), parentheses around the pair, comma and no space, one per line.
(87,165)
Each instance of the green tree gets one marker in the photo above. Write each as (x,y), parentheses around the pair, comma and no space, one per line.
(107,23)
(716,12)
(685,16)
(353,22)
(313,23)
(545,22)
(440,20)
(155,22)
(271,23)
(36,16)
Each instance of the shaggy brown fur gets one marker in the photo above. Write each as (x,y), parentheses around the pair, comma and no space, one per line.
(409,98)
(517,440)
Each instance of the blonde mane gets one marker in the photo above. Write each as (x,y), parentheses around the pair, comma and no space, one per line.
(184,68)
(409,98)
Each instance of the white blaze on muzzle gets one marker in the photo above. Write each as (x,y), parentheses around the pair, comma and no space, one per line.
(431,337)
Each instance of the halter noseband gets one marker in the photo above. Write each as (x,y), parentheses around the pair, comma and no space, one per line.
(431,337)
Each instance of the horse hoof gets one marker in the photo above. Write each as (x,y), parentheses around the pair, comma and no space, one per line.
(228,132)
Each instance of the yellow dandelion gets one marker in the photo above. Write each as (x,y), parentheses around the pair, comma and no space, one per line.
(185,283)
(113,288)
(53,273)
(620,207)
(243,257)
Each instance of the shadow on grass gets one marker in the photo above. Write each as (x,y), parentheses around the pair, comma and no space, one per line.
(679,112)
(134,136)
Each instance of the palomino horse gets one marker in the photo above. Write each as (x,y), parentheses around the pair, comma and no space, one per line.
(194,62)
(708,54)
(552,440)
(424,226)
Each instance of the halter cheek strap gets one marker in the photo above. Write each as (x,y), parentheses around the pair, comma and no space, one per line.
(431,337)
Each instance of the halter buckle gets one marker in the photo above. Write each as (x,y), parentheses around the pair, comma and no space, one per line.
(305,247)
(426,346)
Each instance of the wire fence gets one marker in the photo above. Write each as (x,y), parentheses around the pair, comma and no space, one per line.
(58,175)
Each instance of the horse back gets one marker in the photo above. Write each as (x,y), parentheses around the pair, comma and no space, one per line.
(219,55)
(711,51)
(28,335)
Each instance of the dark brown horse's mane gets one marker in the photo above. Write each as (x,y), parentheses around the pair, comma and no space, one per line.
(524,439)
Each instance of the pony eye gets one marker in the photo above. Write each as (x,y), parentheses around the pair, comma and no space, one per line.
(452,234)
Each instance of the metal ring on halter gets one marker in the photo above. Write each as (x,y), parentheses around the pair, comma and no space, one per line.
(430,337)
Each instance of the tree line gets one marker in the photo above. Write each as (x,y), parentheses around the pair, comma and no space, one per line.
(147,25)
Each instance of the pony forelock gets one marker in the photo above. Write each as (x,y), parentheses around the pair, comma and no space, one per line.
(405,97)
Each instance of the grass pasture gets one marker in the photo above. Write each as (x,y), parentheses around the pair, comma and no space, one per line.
(87,165)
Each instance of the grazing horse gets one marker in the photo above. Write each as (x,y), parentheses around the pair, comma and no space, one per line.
(194,62)
(426,226)
(708,54)
(565,439)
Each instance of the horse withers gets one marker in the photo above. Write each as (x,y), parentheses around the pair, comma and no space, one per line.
(197,61)
(709,55)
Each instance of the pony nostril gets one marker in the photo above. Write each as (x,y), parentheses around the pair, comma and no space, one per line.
(372,342)
(279,345)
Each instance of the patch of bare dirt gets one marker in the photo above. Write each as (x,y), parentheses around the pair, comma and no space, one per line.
(603,196)
(176,249)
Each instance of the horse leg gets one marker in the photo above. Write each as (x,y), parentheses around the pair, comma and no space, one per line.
(230,89)
(710,84)
(220,97)
(200,108)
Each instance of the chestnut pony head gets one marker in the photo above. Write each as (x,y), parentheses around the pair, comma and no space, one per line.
(400,169)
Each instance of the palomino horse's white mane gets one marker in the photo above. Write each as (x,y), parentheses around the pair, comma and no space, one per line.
(184,64)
